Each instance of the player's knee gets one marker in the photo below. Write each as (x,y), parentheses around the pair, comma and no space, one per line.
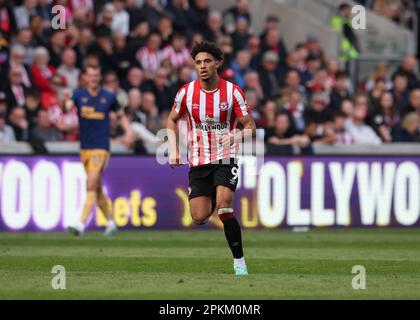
(199,218)
(200,222)
(93,182)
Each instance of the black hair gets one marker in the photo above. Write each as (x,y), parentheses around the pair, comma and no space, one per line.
(399,74)
(344,6)
(341,74)
(208,47)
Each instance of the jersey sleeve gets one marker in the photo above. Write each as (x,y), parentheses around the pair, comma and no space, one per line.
(240,106)
(75,98)
(115,106)
(180,102)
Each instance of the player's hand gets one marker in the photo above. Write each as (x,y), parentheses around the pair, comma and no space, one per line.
(176,162)
(128,140)
(227,140)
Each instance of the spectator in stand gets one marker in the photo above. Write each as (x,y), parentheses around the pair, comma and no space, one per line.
(293,82)
(254,48)
(185,75)
(408,130)
(400,91)
(8,26)
(384,117)
(32,105)
(63,117)
(68,70)
(225,44)
(19,123)
(313,64)
(23,12)
(314,48)
(115,129)
(267,115)
(111,83)
(39,37)
(120,20)
(413,103)
(240,9)
(252,82)
(151,56)
(241,66)
(148,106)
(319,84)
(84,43)
(83,10)
(134,79)
(122,56)
(24,38)
(381,71)
(283,134)
(17,54)
(269,74)
(45,78)
(165,29)
(44,131)
(199,13)
(103,49)
(296,108)
(273,42)
(214,28)
(179,11)
(356,125)
(138,39)
(319,121)
(177,51)
(342,136)
(138,118)
(272,22)
(161,90)
(241,34)
(151,11)
(56,46)
(409,67)
(7,134)
(347,107)
(15,90)
(333,69)
(340,91)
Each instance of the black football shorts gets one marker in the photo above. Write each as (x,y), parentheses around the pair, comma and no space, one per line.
(203,180)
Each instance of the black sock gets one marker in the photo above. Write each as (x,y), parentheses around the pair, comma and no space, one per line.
(233,236)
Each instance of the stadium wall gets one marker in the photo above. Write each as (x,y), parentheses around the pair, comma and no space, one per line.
(46,193)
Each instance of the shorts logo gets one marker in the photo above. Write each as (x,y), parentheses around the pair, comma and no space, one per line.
(234,173)
(189,191)
(223,106)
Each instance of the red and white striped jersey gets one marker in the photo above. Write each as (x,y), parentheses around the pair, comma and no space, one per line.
(210,115)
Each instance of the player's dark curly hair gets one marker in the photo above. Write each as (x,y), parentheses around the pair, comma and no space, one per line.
(208,47)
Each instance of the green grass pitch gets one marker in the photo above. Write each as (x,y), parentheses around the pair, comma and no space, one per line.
(197,265)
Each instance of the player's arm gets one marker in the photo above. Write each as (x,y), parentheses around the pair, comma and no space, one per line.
(129,135)
(244,115)
(173,138)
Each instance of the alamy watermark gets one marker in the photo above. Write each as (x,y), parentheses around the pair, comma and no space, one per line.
(358,21)
(359,280)
(58,282)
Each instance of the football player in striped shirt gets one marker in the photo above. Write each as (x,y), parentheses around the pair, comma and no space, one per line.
(213,108)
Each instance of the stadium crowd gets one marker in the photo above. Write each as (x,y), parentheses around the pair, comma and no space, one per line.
(298,95)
